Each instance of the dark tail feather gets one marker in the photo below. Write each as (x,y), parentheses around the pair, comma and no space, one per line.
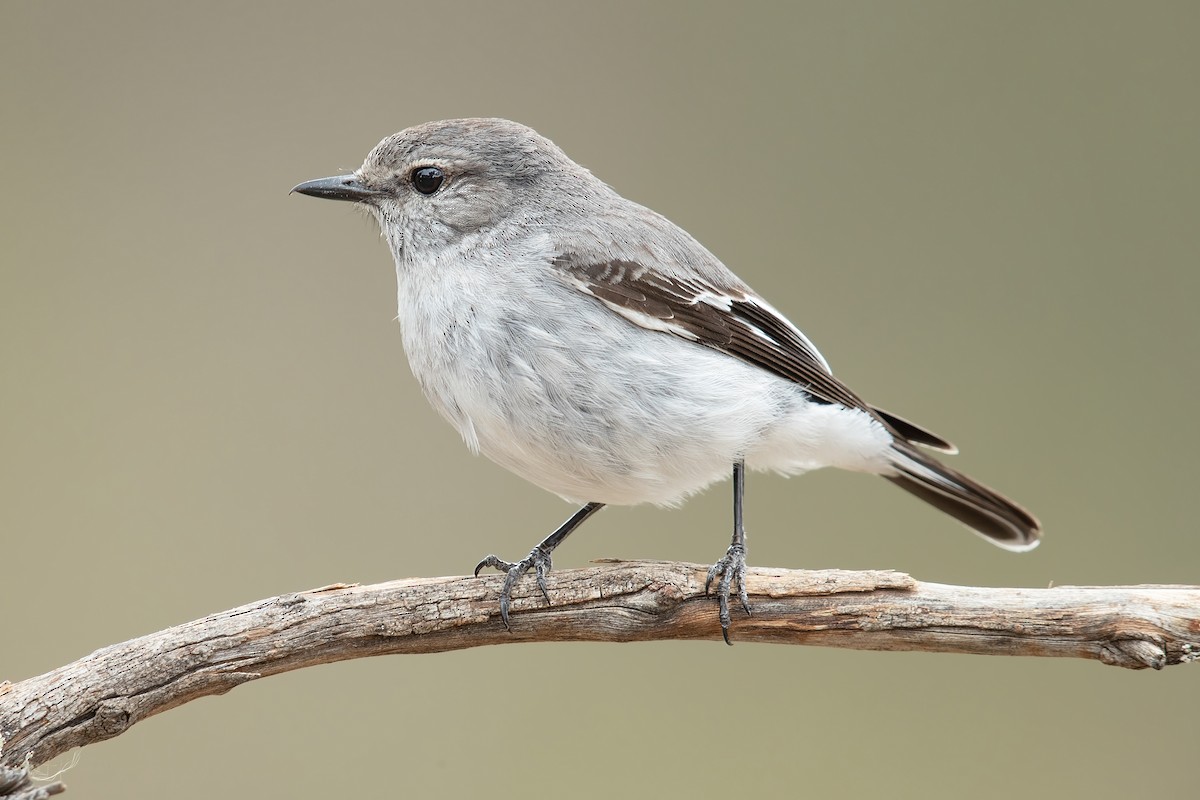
(991,515)
(913,433)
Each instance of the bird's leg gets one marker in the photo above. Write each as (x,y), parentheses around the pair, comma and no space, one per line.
(732,567)
(538,559)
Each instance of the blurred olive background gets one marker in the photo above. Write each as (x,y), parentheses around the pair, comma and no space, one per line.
(984,214)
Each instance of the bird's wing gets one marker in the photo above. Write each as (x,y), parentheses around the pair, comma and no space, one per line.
(732,320)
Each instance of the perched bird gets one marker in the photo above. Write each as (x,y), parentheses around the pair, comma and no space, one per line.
(597,350)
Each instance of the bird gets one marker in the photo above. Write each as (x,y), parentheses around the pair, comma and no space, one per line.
(599,351)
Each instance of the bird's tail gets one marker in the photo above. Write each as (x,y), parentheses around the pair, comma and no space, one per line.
(990,514)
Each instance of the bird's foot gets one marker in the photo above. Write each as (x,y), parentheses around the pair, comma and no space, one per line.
(732,569)
(538,560)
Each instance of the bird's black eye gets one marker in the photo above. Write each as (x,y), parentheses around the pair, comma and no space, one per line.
(427,180)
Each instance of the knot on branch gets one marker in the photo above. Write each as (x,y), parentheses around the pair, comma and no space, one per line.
(1134,654)
(113,716)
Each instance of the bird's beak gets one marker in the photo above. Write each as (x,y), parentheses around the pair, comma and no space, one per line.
(339,187)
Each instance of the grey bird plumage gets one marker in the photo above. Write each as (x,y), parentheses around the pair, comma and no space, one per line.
(596,349)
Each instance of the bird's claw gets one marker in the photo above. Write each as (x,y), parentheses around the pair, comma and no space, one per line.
(732,569)
(538,560)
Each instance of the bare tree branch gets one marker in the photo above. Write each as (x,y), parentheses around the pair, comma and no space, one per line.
(101,695)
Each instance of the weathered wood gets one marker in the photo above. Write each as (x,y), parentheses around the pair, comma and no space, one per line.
(16,784)
(101,695)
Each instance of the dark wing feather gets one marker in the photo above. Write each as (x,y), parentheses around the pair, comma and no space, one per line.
(730,320)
